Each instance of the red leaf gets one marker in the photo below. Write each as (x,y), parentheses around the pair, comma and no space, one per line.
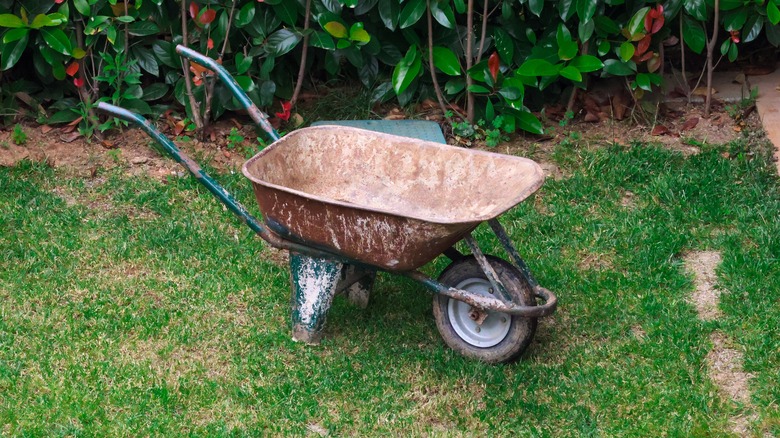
(645,57)
(660,130)
(207,16)
(72,69)
(689,124)
(658,23)
(285,114)
(649,21)
(194,9)
(78,82)
(642,45)
(493,65)
(59,1)
(735,36)
(210,44)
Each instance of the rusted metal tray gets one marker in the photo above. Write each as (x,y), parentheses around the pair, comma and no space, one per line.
(389,201)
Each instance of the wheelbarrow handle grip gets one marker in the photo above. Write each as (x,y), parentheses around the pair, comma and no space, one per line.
(259,117)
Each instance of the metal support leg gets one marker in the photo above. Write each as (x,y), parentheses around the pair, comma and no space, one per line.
(356,285)
(314,282)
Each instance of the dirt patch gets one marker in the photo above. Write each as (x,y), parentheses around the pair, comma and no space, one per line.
(131,149)
(725,365)
(706,297)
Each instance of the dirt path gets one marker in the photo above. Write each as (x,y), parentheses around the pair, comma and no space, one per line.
(724,361)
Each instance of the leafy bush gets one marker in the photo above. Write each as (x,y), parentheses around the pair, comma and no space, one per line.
(504,58)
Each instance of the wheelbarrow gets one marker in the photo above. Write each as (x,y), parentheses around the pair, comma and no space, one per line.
(348,202)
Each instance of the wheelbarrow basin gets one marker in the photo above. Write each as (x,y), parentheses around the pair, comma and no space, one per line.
(387,201)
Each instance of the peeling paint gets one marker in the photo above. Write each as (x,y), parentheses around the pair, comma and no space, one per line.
(314,282)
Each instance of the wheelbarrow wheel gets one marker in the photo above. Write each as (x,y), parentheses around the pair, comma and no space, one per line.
(500,337)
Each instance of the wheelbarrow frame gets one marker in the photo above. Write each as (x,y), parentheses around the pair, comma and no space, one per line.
(336,272)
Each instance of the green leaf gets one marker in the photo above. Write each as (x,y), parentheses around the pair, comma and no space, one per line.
(606,25)
(586,63)
(11,21)
(697,9)
(322,40)
(282,41)
(643,81)
(442,13)
(567,50)
(146,59)
(15,34)
(411,13)
(586,9)
(155,91)
(446,61)
(528,122)
(529,33)
(164,52)
(125,19)
(571,73)
(50,20)
(245,82)
(336,29)
(733,52)
(753,27)
(455,86)
(772,12)
(537,67)
(512,92)
(476,88)
(406,70)
(536,6)
(143,28)
(724,48)
(460,6)
(58,71)
(505,46)
(243,63)
(388,12)
(245,15)
(619,68)
(57,40)
(637,22)
(693,34)
(566,8)
(12,51)
(735,20)
(604,47)
(83,7)
(287,11)
(359,35)
(585,29)
(63,116)
(626,51)
(137,105)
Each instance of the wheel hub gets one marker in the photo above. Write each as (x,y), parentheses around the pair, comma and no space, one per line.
(477,327)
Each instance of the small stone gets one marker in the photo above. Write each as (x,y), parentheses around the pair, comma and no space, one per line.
(139,160)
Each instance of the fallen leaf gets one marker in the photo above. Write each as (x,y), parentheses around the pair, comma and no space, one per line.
(236,123)
(108,144)
(689,124)
(69,138)
(226,154)
(737,129)
(45,129)
(179,127)
(660,130)
(702,91)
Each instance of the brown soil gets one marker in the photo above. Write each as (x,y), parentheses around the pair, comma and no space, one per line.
(706,297)
(131,147)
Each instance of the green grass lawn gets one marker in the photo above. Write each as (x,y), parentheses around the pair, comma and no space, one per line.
(133,307)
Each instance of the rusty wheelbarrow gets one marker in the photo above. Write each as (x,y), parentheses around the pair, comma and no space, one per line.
(348,202)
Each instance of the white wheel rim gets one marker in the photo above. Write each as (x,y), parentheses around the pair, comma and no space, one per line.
(493,329)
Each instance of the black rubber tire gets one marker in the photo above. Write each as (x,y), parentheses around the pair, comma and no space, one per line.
(521,330)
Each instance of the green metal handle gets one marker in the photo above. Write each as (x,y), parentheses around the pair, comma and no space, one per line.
(259,117)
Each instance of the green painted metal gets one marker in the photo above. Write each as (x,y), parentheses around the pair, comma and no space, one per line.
(419,129)
(314,283)
(259,117)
